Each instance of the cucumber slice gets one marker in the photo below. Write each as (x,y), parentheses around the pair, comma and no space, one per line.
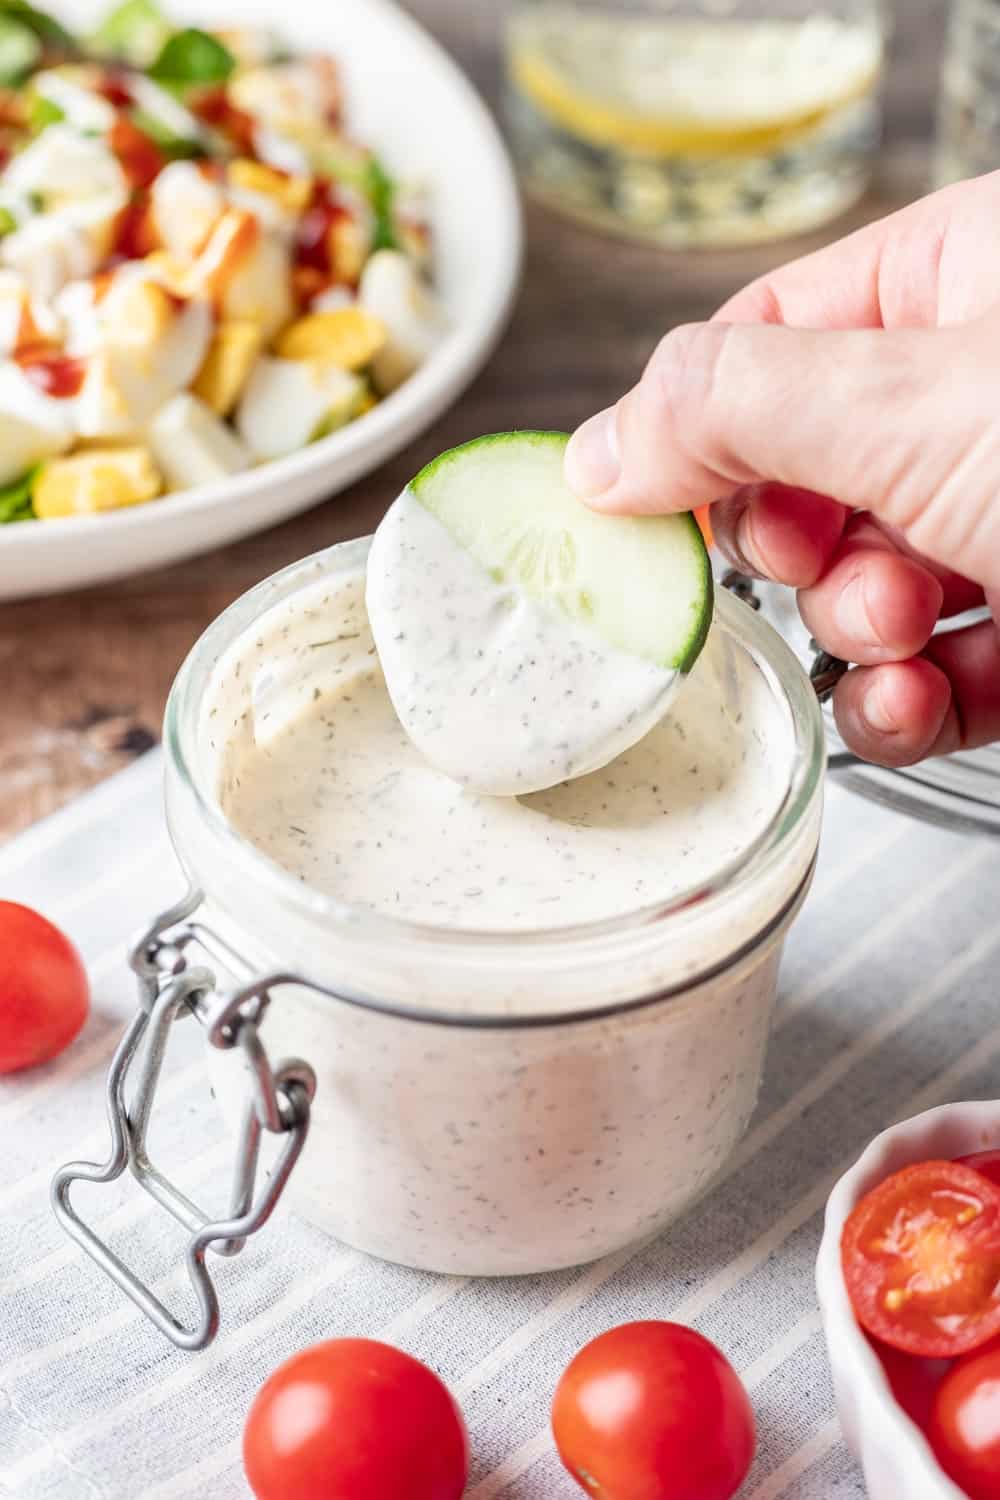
(644,583)
(525,638)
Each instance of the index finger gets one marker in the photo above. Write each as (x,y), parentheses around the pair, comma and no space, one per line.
(885,275)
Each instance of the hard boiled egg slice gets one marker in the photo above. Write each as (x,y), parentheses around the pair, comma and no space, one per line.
(33,425)
(192,446)
(288,402)
(246,273)
(289,96)
(82,190)
(186,207)
(150,345)
(63,168)
(74,92)
(397,294)
(53,249)
(24,320)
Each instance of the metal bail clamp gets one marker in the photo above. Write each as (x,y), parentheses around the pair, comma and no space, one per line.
(825,671)
(280,1103)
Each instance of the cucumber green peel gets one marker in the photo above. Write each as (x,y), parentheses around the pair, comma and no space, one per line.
(643,583)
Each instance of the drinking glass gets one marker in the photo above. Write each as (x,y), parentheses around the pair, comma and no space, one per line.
(696,122)
(969,119)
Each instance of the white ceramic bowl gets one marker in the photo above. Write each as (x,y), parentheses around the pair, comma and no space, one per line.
(409,100)
(897,1462)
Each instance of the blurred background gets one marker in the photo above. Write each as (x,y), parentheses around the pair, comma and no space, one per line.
(671,152)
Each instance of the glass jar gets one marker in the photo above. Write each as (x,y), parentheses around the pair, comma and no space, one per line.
(968,141)
(696,122)
(485,1103)
(496,1103)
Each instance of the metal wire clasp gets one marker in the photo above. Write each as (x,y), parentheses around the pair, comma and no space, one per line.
(279,1103)
(825,671)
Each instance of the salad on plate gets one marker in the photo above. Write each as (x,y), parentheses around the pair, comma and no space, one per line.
(200,268)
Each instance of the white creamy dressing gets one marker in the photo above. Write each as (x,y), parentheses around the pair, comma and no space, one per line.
(320,775)
(498,692)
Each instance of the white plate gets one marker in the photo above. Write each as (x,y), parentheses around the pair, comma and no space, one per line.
(897,1461)
(409,100)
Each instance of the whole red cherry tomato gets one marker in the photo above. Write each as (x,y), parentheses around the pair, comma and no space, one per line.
(987,1162)
(44,994)
(353,1419)
(964,1429)
(914,1382)
(921,1259)
(653,1411)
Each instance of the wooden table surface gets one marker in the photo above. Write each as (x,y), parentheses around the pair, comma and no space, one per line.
(84,676)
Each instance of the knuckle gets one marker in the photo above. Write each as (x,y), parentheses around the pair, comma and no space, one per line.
(685,363)
(679,402)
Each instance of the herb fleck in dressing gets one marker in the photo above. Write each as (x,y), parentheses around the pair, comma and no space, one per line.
(323,778)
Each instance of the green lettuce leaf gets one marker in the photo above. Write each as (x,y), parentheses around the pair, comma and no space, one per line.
(42,112)
(192,56)
(135,31)
(45,27)
(381,194)
(20,51)
(15,499)
(176,147)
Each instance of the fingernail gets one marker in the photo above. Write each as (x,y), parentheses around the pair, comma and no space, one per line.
(740,548)
(874,713)
(593,463)
(851,613)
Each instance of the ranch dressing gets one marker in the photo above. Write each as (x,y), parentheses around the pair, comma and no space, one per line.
(324,780)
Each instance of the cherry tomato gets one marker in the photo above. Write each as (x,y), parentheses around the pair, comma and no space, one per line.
(44,994)
(140,157)
(353,1419)
(921,1258)
(59,375)
(653,1411)
(987,1162)
(964,1429)
(914,1382)
(213,106)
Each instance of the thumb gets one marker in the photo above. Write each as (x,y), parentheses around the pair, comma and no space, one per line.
(900,423)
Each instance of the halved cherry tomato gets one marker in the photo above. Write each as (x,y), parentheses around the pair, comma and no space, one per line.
(914,1382)
(653,1411)
(140,157)
(353,1419)
(213,106)
(44,994)
(135,233)
(60,375)
(964,1428)
(921,1258)
(987,1162)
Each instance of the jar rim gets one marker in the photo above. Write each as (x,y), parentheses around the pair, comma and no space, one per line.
(775,659)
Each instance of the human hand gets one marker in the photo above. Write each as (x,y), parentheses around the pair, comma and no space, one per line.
(869,371)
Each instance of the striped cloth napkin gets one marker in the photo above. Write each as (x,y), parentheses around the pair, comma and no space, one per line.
(888,1006)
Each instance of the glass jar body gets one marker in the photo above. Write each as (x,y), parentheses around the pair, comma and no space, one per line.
(493,1103)
(504,1152)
